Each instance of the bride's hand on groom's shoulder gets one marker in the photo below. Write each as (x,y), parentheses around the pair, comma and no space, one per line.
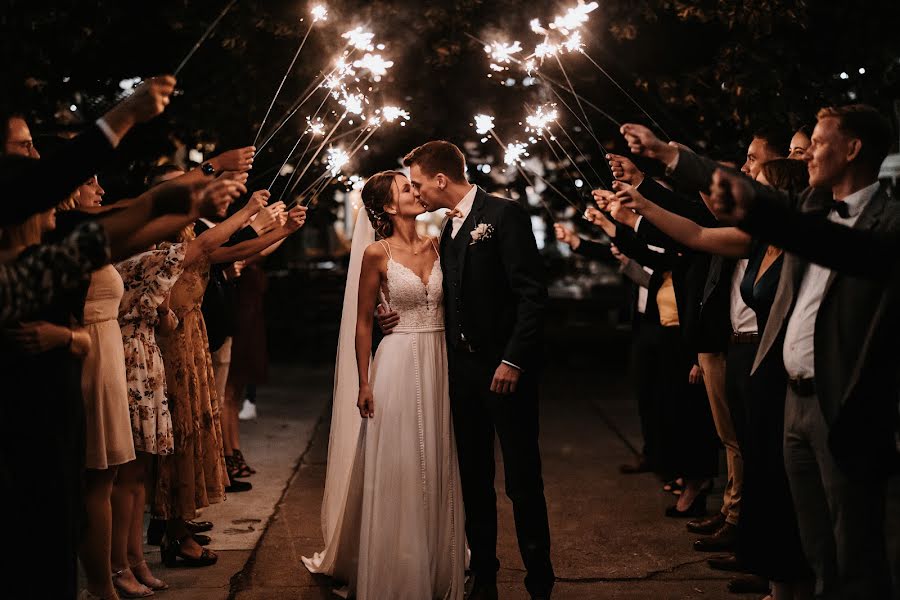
(386,319)
(366,402)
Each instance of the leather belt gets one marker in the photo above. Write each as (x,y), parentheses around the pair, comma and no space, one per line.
(744,337)
(802,386)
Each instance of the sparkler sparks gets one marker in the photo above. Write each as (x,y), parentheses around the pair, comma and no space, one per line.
(353,103)
(545,49)
(319,12)
(374,64)
(541,118)
(392,113)
(537,28)
(359,39)
(514,153)
(337,159)
(502,54)
(574,17)
(573,43)
(315,127)
(483,124)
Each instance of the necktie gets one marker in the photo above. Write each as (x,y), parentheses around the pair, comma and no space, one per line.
(839,207)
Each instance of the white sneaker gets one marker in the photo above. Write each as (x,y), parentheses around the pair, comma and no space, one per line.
(248,411)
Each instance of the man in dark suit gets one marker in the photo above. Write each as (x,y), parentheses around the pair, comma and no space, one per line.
(494,297)
(828,328)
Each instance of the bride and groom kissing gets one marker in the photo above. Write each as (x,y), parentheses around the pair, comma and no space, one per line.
(409,492)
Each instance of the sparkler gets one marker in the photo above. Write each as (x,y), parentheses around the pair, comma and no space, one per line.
(318,15)
(203,37)
(359,39)
(502,54)
(337,158)
(374,64)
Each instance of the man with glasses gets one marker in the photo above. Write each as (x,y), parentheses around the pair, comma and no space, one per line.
(17,138)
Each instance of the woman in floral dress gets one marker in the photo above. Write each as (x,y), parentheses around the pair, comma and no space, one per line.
(148,278)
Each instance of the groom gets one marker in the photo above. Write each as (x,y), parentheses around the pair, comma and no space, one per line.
(494,299)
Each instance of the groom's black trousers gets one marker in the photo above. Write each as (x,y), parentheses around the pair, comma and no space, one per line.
(477,414)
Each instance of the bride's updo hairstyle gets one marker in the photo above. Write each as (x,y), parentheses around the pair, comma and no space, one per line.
(377,194)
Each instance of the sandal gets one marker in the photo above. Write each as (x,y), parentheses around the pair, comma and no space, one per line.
(171,553)
(143,590)
(155,584)
(234,468)
(239,456)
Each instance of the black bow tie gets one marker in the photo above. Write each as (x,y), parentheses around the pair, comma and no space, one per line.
(838,206)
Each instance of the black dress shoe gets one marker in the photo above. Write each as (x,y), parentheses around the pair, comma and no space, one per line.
(198,526)
(235,486)
(725,563)
(724,540)
(483,590)
(749,584)
(202,540)
(641,466)
(696,509)
(707,526)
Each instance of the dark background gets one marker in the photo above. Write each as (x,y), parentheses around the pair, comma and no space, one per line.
(710,72)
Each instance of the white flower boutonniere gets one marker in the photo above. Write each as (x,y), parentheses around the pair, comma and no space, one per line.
(482,231)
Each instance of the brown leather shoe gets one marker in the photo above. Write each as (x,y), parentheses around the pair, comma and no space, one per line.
(725,563)
(724,540)
(707,526)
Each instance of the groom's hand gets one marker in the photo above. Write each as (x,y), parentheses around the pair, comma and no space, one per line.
(505,379)
(386,320)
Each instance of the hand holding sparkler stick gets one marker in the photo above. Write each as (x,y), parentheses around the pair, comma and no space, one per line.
(643,142)
(624,170)
(566,236)
(238,160)
(148,100)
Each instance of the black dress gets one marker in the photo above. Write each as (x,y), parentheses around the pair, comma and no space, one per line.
(769,541)
(42,458)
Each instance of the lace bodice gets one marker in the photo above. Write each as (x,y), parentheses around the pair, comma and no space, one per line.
(420,305)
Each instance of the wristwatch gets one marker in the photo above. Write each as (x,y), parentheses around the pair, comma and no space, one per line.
(207,168)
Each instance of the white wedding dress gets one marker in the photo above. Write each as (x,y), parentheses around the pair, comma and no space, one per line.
(392,515)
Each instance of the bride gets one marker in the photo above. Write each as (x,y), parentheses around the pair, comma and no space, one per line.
(392,514)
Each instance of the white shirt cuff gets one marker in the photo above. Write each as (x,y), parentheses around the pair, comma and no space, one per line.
(637,223)
(108,132)
(516,367)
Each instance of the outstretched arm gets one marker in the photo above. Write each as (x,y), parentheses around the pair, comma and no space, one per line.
(727,241)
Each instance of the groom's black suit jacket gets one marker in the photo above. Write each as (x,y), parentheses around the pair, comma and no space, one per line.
(494,288)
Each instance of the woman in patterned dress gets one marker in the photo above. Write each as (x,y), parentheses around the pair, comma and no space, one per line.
(148,279)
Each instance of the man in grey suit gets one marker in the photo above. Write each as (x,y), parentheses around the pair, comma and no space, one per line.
(822,324)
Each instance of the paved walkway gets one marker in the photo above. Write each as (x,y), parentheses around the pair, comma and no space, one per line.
(610,539)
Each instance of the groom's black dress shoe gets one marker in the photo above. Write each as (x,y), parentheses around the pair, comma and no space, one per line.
(483,590)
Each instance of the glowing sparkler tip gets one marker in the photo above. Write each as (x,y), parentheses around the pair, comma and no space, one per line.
(483,124)
(502,53)
(319,13)
(316,127)
(392,113)
(536,27)
(375,64)
(574,18)
(515,152)
(359,39)
(337,159)
(353,103)
(541,118)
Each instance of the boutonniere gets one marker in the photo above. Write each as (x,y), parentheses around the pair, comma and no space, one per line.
(482,231)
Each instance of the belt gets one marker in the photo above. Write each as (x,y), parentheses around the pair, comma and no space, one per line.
(802,386)
(744,337)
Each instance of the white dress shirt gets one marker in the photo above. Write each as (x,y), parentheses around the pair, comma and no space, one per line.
(464,207)
(799,346)
(743,319)
(108,132)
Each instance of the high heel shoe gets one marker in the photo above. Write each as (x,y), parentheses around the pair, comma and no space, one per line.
(171,553)
(142,592)
(696,509)
(242,464)
(154,583)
